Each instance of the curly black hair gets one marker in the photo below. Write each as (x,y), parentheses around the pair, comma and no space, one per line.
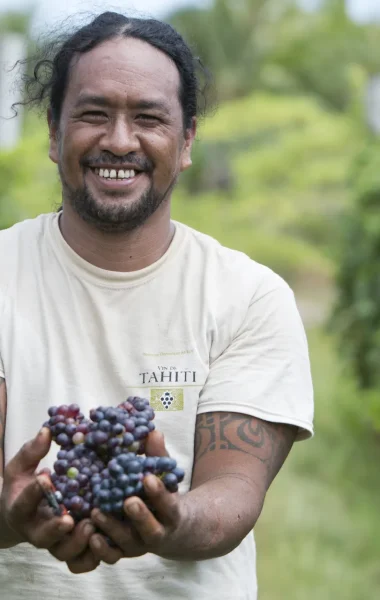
(47,83)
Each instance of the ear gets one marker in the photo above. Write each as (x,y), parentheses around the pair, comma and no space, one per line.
(189,139)
(53,136)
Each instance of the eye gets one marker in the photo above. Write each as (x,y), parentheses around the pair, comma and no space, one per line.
(148,118)
(94,115)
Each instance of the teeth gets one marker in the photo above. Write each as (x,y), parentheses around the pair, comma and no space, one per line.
(113,174)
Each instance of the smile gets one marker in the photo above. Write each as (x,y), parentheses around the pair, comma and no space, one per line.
(114,173)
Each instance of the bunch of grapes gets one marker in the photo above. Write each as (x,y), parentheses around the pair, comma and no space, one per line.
(125,475)
(101,461)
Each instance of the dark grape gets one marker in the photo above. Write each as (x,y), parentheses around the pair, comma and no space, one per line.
(101,461)
(170,481)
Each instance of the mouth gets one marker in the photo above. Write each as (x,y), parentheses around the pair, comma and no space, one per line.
(115,178)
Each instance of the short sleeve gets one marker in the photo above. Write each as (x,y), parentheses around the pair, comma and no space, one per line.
(264,371)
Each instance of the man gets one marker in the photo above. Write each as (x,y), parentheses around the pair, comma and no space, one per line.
(110,298)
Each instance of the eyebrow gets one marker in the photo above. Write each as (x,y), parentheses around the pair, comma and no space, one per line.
(104,102)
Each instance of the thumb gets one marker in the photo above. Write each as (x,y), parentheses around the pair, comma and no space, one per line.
(28,458)
(155,444)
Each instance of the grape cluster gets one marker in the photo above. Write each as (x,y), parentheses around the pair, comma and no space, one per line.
(101,461)
(125,475)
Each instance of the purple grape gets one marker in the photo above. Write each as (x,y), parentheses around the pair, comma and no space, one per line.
(77,503)
(99,437)
(128,439)
(105,426)
(135,466)
(141,432)
(72,485)
(171,482)
(104,495)
(71,429)
(122,481)
(61,466)
(116,494)
(165,463)
(82,479)
(59,428)
(63,439)
(179,473)
(129,425)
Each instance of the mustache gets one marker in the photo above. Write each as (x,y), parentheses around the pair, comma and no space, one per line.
(140,162)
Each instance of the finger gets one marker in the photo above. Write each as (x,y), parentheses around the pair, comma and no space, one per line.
(28,457)
(45,534)
(102,551)
(155,444)
(75,543)
(120,533)
(164,503)
(27,502)
(150,530)
(83,564)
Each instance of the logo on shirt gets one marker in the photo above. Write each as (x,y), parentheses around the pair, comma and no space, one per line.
(162,399)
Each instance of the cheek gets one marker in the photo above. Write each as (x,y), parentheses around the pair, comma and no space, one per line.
(77,143)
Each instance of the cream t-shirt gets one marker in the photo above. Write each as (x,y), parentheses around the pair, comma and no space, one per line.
(205,328)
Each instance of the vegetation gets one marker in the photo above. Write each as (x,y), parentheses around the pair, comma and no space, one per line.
(285,171)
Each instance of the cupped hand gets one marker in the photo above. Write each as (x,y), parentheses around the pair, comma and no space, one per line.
(20,502)
(152,529)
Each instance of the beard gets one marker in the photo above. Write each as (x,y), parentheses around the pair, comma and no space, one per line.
(114,217)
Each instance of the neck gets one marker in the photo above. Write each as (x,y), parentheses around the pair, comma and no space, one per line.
(127,251)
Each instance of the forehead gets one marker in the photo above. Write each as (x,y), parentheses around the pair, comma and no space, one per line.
(124,69)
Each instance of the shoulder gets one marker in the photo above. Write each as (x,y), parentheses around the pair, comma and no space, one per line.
(231,271)
(18,245)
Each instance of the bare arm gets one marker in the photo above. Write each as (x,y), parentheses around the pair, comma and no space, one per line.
(236,459)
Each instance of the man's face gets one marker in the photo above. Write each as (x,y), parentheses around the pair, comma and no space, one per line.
(120,143)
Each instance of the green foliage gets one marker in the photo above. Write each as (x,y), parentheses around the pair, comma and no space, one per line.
(320,528)
(281,48)
(15,22)
(28,180)
(357,312)
(286,161)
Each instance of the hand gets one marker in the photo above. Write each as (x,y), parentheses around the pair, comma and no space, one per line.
(144,531)
(20,502)
(74,549)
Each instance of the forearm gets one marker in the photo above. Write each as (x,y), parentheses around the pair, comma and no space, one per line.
(216,518)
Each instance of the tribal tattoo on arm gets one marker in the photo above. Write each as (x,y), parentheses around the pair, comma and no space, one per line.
(270,443)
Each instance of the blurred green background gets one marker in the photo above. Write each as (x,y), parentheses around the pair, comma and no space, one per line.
(287,170)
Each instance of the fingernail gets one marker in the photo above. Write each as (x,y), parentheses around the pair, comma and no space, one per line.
(88,529)
(43,432)
(151,483)
(134,509)
(64,527)
(96,543)
(100,518)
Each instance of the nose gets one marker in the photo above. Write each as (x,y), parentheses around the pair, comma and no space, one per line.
(119,138)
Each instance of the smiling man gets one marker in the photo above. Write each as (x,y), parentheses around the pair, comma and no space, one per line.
(110,297)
